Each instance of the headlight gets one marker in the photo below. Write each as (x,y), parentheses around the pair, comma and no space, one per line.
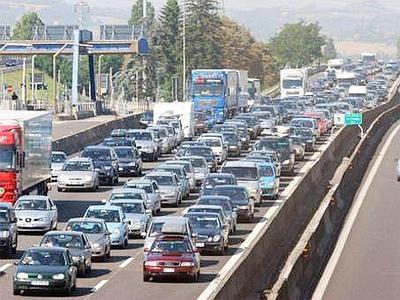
(96,245)
(216,238)
(107,168)
(286,162)
(187,264)
(243,207)
(59,276)
(151,263)
(116,231)
(87,178)
(22,275)
(4,234)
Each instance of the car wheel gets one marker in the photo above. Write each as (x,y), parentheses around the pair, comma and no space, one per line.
(59,189)
(16,292)
(222,251)
(126,244)
(398,179)
(195,277)
(146,277)
(105,256)
(68,290)
(108,255)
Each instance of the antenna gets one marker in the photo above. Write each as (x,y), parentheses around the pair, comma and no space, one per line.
(82,10)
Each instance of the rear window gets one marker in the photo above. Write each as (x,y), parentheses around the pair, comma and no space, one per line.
(243,173)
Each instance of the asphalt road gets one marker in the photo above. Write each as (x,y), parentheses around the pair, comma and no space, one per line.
(122,275)
(369,264)
(65,128)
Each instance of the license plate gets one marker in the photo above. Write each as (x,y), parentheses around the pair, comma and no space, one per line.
(169,270)
(200,245)
(121,169)
(40,283)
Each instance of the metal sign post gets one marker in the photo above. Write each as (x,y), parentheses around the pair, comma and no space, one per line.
(347,120)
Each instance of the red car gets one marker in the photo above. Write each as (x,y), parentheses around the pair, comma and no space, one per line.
(171,256)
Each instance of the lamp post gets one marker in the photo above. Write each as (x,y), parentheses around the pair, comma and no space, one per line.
(184,51)
(33,86)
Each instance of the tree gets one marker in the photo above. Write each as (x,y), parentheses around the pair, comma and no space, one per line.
(329,50)
(203,34)
(24,27)
(298,44)
(169,45)
(136,18)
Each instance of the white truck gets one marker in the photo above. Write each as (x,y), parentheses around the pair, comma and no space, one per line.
(244,95)
(345,79)
(179,110)
(294,82)
(335,64)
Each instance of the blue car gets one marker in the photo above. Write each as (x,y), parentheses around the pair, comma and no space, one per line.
(115,220)
(269,180)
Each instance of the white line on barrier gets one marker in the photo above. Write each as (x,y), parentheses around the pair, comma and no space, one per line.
(351,217)
(126,262)
(99,285)
(5,267)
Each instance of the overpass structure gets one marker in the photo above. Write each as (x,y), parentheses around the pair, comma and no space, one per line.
(70,40)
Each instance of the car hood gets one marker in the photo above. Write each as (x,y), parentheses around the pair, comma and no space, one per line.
(135,217)
(168,188)
(76,252)
(34,214)
(57,166)
(75,174)
(41,269)
(93,238)
(248,184)
(206,231)
(112,226)
(141,143)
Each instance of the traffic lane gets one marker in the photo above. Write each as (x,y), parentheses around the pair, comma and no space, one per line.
(66,128)
(368,267)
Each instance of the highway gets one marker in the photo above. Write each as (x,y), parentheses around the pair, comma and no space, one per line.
(365,263)
(122,275)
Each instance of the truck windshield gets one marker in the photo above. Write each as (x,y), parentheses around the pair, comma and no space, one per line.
(207,89)
(292,83)
(7,159)
(4,218)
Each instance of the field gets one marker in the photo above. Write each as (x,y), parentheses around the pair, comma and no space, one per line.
(352,49)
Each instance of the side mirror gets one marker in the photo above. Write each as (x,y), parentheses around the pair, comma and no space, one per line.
(127,222)
(16,263)
(149,211)
(108,233)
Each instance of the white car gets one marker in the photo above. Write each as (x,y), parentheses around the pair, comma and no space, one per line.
(78,174)
(36,213)
(152,190)
(219,149)
(58,159)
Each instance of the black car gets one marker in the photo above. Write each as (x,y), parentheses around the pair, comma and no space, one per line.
(234,144)
(51,269)
(129,161)
(105,161)
(305,135)
(8,230)
(283,147)
(116,142)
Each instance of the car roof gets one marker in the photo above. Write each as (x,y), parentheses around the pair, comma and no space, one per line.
(59,152)
(33,197)
(222,198)
(230,186)
(240,163)
(5,205)
(160,173)
(58,232)
(82,159)
(219,175)
(104,206)
(205,206)
(55,249)
(137,201)
(191,157)
(86,220)
(139,181)
(174,219)
(201,213)
(98,147)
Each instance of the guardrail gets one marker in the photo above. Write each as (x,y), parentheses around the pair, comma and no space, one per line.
(266,249)
(306,262)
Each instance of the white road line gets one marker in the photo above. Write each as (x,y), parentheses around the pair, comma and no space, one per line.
(99,285)
(351,217)
(5,267)
(126,262)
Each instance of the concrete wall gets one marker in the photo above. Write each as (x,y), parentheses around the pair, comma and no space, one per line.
(76,142)
(260,268)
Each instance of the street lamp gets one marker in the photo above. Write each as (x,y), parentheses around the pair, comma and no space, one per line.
(184,51)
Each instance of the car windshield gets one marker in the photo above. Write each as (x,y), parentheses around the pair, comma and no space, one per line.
(212,143)
(77,166)
(212,201)
(302,123)
(58,158)
(178,172)
(7,158)
(4,216)
(198,152)
(301,132)
(86,227)
(142,186)
(198,163)
(125,153)
(130,208)
(162,180)
(205,210)
(231,138)
(97,154)
(212,181)
(171,247)
(243,173)
(31,204)
(120,196)
(237,195)
(274,144)
(41,257)
(266,171)
(108,215)
(140,135)
(200,222)
(62,240)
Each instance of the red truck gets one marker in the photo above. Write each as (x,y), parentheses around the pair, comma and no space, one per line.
(25,153)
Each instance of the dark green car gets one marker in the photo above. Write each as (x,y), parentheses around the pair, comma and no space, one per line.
(49,269)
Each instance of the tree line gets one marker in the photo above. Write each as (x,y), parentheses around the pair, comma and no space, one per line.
(212,41)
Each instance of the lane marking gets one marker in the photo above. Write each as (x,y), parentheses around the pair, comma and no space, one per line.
(5,267)
(99,285)
(126,262)
(351,217)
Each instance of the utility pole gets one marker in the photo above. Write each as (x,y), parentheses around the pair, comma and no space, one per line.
(82,10)
(184,51)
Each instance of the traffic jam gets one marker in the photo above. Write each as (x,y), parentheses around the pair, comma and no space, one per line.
(216,168)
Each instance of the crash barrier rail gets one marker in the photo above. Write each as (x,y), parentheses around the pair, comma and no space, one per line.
(76,142)
(310,256)
(261,261)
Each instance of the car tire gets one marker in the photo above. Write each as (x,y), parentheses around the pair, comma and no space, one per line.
(108,255)
(221,251)
(146,278)
(68,290)
(59,189)
(105,256)
(16,292)
(126,244)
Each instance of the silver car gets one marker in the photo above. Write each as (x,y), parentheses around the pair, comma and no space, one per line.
(78,174)
(145,142)
(58,159)
(200,168)
(96,232)
(136,214)
(36,213)
(128,194)
(188,168)
(168,182)
(152,190)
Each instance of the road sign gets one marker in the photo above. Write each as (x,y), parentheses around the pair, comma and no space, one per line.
(353,119)
(338,119)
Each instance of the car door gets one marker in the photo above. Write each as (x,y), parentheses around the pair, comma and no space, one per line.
(86,245)
(53,211)
(157,197)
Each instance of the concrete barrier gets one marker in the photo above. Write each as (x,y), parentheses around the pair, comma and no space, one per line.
(94,135)
(307,261)
(265,254)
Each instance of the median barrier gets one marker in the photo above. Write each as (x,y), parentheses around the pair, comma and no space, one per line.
(261,262)
(94,135)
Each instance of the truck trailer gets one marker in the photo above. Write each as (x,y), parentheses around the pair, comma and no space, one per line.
(25,153)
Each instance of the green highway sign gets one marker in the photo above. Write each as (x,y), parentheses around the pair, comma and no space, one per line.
(352,119)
